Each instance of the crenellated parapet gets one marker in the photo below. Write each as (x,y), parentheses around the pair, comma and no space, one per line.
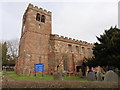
(31,6)
(69,40)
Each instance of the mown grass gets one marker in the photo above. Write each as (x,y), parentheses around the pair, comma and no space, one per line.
(71,78)
(75,78)
(39,77)
(25,77)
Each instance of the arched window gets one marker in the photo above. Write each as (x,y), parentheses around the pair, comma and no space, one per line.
(38,17)
(65,65)
(43,19)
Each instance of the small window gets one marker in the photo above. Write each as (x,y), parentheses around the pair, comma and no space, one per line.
(70,48)
(39,26)
(43,19)
(38,17)
(65,65)
(83,50)
(77,49)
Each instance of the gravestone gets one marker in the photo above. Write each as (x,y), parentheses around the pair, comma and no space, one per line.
(99,76)
(117,71)
(80,73)
(111,76)
(91,76)
(58,76)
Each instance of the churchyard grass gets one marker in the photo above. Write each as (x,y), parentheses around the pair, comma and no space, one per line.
(32,77)
(75,78)
(71,78)
(39,77)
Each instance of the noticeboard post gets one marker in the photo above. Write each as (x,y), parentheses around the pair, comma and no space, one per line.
(39,67)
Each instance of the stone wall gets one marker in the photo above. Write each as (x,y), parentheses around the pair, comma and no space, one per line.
(59,51)
(39,46)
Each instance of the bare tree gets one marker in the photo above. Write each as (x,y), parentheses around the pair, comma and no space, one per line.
(13,48)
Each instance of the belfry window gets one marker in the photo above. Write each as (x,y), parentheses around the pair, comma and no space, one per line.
(43,19)
(38,17)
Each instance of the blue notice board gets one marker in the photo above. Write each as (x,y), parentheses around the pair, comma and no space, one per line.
(39,67)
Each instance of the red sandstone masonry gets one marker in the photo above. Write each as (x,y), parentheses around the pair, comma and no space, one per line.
(38,45)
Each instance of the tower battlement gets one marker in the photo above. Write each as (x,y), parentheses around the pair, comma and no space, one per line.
(31,6)
(70,40)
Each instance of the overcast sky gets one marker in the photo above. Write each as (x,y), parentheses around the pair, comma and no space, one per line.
(82,20)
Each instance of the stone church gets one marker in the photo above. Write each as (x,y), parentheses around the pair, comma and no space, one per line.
(39,46)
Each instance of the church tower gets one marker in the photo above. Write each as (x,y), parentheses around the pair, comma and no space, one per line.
(34,41)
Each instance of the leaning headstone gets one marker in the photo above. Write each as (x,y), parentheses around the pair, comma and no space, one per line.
(58,76)
(99,76)
(111,76)
(91,76)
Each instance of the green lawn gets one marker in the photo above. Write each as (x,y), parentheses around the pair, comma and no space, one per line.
(71,78)
(25,77)
(39,77)
(75,78)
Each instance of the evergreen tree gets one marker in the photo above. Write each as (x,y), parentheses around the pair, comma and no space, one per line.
(107,51)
